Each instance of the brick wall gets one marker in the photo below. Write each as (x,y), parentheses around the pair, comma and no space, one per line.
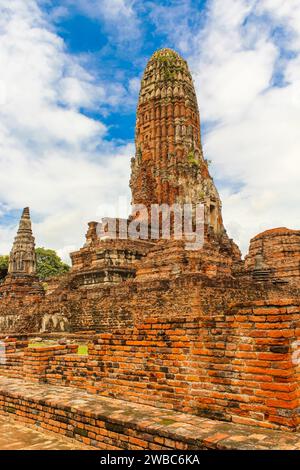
(36,360)
(234,365)
(30,364)
(263,376)
(71,370)
(114,424)
(12,357)
(12,365)
(100,433)
(121,306)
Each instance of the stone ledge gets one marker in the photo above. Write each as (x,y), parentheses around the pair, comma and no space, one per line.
(108,423)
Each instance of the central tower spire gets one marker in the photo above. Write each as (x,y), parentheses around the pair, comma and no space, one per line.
(169,166)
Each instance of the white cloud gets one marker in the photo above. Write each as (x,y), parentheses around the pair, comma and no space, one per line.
(251,126)
(285,13)
(52,157)
(255,142)
(119,17)
(6,233)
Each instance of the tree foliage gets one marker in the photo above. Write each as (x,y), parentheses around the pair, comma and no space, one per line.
(49,264)
(3,266)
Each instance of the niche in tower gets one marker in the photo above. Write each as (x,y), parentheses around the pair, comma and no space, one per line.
(213,221)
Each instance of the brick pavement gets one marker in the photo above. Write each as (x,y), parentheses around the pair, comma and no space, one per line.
(16,436)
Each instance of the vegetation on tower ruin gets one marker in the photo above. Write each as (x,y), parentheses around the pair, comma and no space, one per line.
(170,64)
(192,158)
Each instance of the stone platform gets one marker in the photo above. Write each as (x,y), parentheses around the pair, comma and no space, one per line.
(107,423)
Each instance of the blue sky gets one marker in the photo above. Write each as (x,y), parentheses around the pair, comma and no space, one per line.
(70,75)
(115,56)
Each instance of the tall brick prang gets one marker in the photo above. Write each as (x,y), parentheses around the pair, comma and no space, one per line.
(169,166)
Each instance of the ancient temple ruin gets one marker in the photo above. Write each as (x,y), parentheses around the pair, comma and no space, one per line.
(200,331)
(22,259)
(22,280)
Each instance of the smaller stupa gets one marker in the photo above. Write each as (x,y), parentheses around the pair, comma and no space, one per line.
(22,277)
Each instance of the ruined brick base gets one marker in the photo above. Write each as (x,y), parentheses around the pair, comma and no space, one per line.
(240,366)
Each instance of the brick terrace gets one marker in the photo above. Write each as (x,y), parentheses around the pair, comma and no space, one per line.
(237,367)
(108,423)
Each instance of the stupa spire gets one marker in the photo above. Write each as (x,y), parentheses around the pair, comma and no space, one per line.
(22,259)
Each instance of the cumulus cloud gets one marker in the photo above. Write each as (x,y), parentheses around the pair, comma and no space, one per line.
(244,56)
(119,18)
(252,137)
(52,156)
(177,20)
